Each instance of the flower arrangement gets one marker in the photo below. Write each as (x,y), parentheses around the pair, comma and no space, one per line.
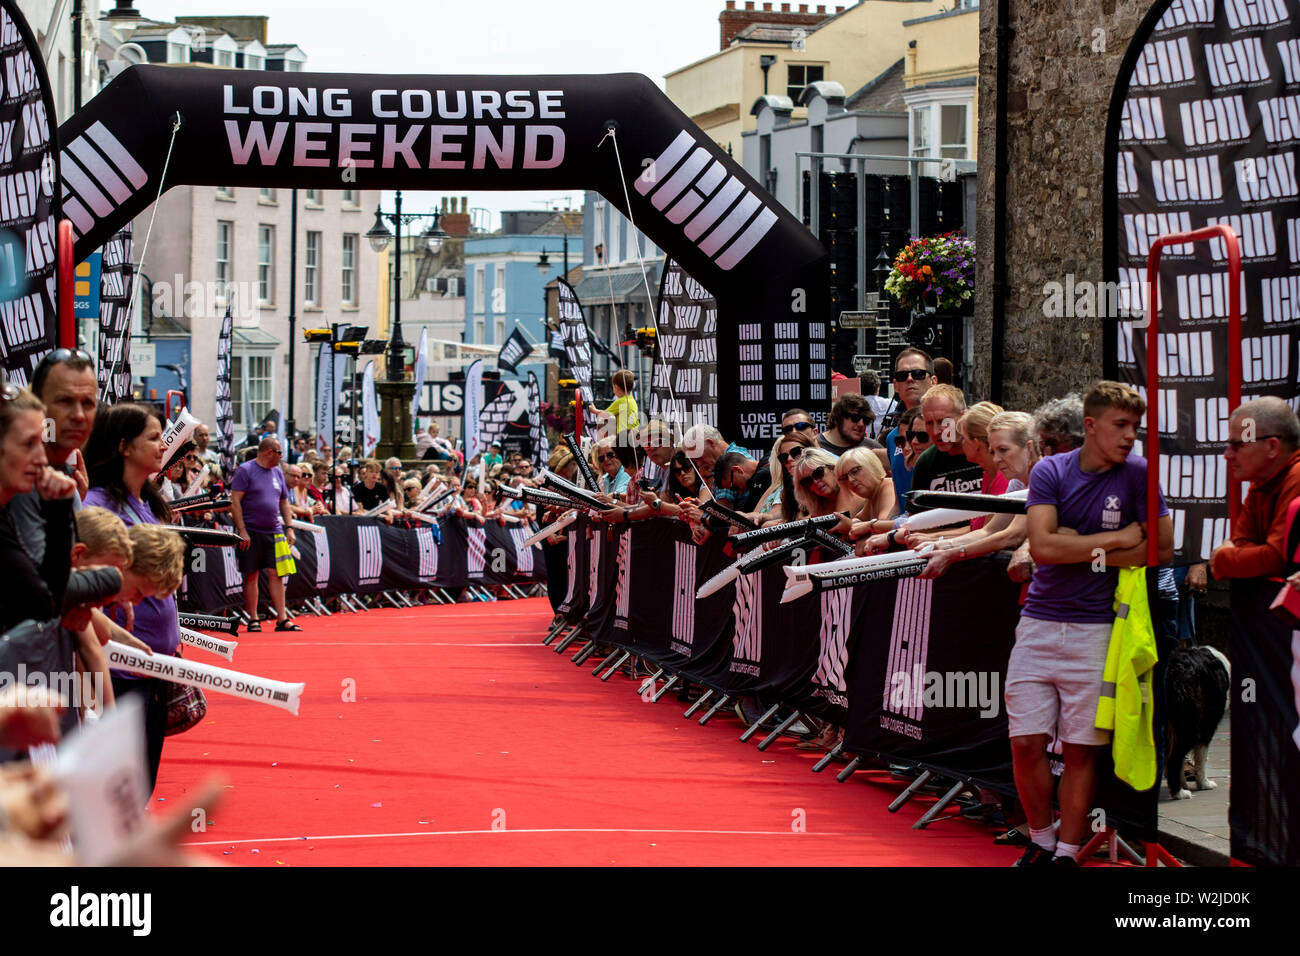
(939,266)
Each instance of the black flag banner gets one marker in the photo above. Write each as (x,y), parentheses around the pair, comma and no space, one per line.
(28,213)
(225,408)
(536,429)
(684,386)
(117,273)
(514,350)
(577,348)
(1203,131)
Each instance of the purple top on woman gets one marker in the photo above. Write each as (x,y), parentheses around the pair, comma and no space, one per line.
(155,618)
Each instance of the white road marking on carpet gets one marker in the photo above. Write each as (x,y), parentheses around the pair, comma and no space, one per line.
(402,644)
(428,833)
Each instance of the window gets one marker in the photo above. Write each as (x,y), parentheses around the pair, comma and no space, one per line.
(251,372)
(225,192)
(598,232)
(798,76)
(349,289)
(499,290)
(313,197)
(478,331)
(952,131)
(480,280)
(349,197)
(254,62)
(311,269)
(266,264)
(292,66)
(921,131)
(223,58)
(615,243)
(266,195)
(225,232)
(499,332)
(178,52)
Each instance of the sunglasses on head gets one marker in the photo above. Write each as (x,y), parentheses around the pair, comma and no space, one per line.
(795,427)
(921,436)
(917,375)
(8,391)
(792,454)
(815,475)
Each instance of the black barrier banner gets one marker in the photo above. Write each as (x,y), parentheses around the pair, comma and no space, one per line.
(225,405)
(312,130)
(1203,130)
(902,664)
(684,385)
(1264,812)
(365,556)
(29,200)
(116,276)
(541,445)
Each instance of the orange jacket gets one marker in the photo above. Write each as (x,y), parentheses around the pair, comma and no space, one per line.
(1259,533)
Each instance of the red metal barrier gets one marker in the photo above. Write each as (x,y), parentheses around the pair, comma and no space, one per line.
(66,267)
(1229,237)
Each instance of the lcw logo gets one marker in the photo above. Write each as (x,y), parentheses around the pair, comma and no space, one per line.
(721,216)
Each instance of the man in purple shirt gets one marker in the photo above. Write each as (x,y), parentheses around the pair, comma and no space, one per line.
(1087,513)
(260,509)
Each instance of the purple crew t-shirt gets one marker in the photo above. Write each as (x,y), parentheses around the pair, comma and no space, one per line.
(155,618)
(1090,504)
(263,490)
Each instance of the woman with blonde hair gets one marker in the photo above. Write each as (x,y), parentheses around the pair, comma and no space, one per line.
(817,489)
(1014,453)
(785,457)
(974,427)
(860,470)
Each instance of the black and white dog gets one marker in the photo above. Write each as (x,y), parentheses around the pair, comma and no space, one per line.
(1197,685)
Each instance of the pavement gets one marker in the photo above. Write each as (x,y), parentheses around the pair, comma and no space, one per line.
(1196,830)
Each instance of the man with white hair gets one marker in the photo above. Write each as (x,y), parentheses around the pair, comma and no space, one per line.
(704,445)
(1263,448)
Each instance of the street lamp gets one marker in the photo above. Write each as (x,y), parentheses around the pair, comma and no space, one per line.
(396,393)
(544,262)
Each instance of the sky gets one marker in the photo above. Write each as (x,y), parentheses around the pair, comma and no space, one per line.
(480,37)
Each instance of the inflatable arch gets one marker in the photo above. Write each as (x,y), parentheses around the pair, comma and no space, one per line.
(335,131)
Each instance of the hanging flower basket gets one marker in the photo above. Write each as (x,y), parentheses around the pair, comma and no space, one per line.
(939,270)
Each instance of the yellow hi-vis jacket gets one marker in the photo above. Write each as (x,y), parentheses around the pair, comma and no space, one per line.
(1126,706)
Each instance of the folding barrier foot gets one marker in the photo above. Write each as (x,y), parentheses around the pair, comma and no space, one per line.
(555,631)
(582,655)
(617,664)
(572,636)
(604,660)
(847,772)
(933,813)
(780,729)
(708,715)
(912,787)
(754,727)
(699,702)
(667,686)
(649,682)
(830,755)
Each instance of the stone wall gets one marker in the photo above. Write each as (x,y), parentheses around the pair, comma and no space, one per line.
(1065,57)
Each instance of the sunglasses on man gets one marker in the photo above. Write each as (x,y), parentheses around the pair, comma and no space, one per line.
(859,419)
(916,374)
(795,427)
(815,475)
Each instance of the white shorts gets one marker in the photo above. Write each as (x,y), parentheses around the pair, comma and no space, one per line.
(1054,680)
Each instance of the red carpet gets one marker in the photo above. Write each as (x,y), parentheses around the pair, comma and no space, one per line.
(470,743)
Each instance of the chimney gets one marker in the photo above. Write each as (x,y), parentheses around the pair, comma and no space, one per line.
(803,8)
(767,8)
(785,8)
(839,10)
(731,4)
(821,8)
(749,5)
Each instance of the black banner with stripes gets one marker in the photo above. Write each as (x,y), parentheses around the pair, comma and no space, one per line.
(29,201)
(1204,125)
(684,386)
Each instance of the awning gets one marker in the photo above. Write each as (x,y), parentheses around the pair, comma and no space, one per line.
(254,337)
(628,286)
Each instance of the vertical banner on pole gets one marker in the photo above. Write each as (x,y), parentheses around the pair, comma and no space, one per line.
(421,371)
(536,429)
(577,348)
(324,392)
(117,270)
(29,170)
(473,407)
(684,383)
(225,408)
(369,412)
